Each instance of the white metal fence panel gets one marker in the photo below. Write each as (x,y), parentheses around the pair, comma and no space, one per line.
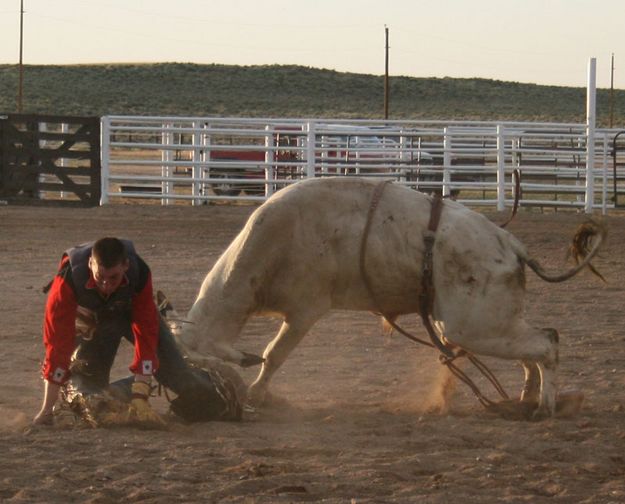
(201,159)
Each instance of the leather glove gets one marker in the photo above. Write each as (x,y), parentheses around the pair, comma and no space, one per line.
(140,410)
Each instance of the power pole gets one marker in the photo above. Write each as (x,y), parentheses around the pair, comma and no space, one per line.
(612,93)
(386,74)
(20,90)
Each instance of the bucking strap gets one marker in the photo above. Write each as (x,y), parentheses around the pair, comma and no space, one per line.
(426,298)
(427,287)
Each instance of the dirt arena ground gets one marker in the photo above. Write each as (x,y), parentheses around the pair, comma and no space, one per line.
(355,428)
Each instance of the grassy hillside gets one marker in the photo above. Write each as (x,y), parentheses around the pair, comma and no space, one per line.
(292,91)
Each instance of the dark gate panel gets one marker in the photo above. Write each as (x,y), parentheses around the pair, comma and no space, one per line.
(46,158)
(618,167)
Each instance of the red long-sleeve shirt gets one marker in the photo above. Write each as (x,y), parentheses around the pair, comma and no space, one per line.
(59,329)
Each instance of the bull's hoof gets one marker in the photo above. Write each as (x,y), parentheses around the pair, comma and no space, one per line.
(256,397)
(250,360)
(512,409)
(568,404)
(263,399)
(541,414)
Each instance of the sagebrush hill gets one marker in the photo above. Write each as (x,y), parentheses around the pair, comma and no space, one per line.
(288,91)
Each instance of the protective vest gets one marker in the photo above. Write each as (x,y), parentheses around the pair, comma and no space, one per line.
(119,303)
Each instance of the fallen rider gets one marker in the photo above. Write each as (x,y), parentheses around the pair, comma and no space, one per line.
(101,293)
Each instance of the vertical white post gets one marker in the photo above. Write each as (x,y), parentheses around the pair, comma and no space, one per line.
(42,127)
(206,158)
(167,139)
(604,189)
(310,150)
(324,154)
(591,94)
(197,160)
(63,161)
(516,147)
(300,146)
(446,161)
(270,156)
(105,150)
(501,169)
(404,156)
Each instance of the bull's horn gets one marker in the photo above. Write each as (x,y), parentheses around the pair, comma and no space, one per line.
(163,303)
(589,232)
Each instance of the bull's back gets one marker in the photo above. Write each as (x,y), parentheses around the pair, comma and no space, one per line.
(306,243)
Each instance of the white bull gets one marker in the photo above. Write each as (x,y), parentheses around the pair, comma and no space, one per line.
(298,257)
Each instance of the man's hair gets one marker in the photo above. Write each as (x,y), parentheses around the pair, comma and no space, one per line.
(109,252)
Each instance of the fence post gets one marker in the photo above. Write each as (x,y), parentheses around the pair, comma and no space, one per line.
(446,161)
(105,150)
(196,140)
(270,157)
(204,171)
(310,149)
(604,189)
(324,154)
(42,127)
(591,94)
(167,139)
(501,169)
(63,161)
(404,155)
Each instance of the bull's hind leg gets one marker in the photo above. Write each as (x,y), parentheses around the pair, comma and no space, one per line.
(548,389)
(536,348)
(290,334)
(531,387)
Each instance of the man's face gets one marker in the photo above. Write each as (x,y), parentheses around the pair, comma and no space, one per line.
(107,279)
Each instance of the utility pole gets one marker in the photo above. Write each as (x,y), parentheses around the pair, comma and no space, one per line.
(20,90)
(612,93)
(386,74)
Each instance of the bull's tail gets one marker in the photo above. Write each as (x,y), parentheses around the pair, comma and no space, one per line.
(586,243)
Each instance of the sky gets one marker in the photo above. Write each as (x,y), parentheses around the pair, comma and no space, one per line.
(545,42)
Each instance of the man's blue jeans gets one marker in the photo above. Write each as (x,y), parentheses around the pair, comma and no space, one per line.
(91,369)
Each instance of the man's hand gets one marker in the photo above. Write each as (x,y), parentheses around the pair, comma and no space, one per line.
(50,396)
(43,418)
(140,410)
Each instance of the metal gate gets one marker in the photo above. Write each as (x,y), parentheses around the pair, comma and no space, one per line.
(203,159)
(618,144)
(50,159)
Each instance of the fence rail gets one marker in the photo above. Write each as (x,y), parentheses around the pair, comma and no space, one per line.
(200,159)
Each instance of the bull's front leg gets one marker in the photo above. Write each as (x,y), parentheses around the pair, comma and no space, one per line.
(290,334)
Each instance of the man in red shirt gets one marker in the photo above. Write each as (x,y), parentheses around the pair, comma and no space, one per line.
(105,290)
